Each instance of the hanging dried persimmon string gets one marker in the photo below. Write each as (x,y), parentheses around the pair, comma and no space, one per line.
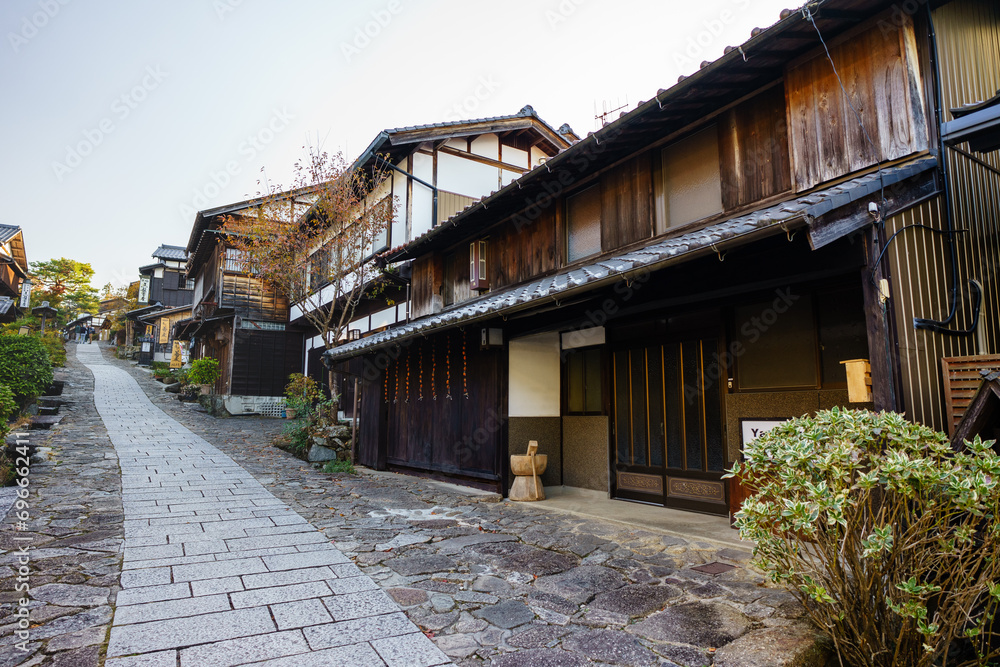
(447,366)
(420,372)
(465,369)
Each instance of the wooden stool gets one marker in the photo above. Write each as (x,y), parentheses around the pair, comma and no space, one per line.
(527,468)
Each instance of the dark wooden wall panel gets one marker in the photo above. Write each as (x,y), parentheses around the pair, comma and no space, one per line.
(263,360)
(753,149)
(433,424)
(627,204)
(421,286)
(252,299)
(881,75)
(517,254)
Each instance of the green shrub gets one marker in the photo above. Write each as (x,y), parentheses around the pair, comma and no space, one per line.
(8,410)
(56,348)
(24,366)
(889,537)
(159,366)
(180,374)
(204,371)
(302,393)
(339,467)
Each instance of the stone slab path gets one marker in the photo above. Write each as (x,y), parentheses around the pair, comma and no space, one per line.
(503,584)
(218,571)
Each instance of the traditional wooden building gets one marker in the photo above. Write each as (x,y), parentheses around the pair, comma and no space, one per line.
(13,271)
(238,320)
(434,171)
(648,299)
(165,295)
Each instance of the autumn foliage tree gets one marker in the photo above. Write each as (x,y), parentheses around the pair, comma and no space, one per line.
(312,243)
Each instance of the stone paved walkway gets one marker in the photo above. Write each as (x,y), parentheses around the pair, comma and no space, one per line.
(218,571)
(501,584)
(74,538)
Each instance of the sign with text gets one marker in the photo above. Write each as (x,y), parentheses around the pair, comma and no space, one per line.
(177,354)
(751,429)
(25,295)
(144,289)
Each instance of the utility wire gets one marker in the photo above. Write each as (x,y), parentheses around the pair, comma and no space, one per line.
(807,14)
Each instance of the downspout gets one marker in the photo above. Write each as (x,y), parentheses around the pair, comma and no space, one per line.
(434,205)
(941,326)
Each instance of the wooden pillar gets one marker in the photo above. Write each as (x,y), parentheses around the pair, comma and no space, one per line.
(883,351)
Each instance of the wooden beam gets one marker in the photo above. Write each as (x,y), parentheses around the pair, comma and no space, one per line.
(882,350)
(847,220)
(484,160)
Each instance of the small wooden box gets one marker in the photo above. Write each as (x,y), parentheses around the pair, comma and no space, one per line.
(859,380)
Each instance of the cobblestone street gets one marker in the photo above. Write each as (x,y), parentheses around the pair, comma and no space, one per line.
(219,563)
(502,584)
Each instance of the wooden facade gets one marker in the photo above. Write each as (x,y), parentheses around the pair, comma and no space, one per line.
(438,171)
(723,330)
(13,270)
(237,319)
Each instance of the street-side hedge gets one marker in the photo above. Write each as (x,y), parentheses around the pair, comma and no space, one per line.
(57,350)
(8,410)
(24,366)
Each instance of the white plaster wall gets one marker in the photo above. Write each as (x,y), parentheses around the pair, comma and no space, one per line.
(536,155)
(466,177)
(515,156)
(583,338)
(534,376)
(399,218)
(423,168)
(487,145)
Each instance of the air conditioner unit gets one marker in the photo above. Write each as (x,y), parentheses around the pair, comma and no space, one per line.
(478,278)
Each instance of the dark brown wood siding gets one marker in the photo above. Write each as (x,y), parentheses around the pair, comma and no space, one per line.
(753,149)
(423,285)
(438,408)
(516,254)
(252,299)
(880,72)
(627,204)
(263,360)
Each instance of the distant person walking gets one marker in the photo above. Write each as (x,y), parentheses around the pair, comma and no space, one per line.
(79,334)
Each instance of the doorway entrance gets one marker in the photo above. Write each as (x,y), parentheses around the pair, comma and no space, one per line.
(667,436)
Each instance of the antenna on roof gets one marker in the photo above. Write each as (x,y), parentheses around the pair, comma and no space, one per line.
(607,108)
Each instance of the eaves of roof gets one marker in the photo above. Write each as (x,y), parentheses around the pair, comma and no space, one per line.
(7,232)
(742,70)
(716,237)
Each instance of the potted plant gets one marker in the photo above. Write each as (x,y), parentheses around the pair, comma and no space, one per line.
(301,393)
(204,372)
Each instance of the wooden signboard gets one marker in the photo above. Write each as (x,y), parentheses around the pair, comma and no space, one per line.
(177,354)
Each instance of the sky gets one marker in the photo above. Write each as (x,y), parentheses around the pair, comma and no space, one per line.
(120,120)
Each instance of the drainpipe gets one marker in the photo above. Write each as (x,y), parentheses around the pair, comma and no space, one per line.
(920,322)
(434,205)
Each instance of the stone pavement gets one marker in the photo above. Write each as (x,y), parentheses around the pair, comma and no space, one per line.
(218,571)
(73,532)
(503,584)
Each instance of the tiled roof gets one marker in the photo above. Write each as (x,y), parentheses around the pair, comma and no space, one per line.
(653,256)
(175,252)
(526,111)
(7,232)
(6,303)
